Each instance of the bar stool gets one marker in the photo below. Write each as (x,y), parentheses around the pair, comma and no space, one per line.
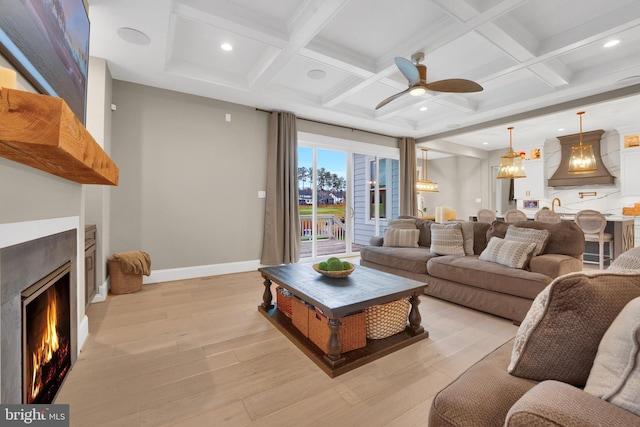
(545,215)
(486,215)
(515,215)
(593,224)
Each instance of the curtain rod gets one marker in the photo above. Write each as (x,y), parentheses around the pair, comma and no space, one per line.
(332,124)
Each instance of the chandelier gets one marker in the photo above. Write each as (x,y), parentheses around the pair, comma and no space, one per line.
(582,158)
(511,166)
(424,185)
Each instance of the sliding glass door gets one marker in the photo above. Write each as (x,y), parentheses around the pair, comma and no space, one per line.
(322,185)
(348,193)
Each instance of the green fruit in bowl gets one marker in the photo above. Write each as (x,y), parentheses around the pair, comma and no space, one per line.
(334,264)
(346,265)
(323,266)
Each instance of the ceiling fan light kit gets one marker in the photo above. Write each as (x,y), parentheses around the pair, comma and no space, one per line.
(416,75)
(582,160)
(511,166)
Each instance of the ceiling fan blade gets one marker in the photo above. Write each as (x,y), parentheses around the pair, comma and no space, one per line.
(454,85)
(408,69)
(392,97)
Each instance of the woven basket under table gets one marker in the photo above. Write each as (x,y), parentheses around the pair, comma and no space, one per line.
(352,332)
(121,282)
(283,301)
(387,319)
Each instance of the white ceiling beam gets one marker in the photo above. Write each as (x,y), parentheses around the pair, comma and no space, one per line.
(246,28)
(312,17)
(434,37)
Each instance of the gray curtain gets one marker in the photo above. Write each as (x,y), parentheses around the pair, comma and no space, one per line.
(408,196)
(281,238)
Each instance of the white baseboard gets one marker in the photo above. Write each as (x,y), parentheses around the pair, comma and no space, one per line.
(83,332)
(184,273)
(101,292)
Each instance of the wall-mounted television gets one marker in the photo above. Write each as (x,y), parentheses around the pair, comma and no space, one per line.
(48,42)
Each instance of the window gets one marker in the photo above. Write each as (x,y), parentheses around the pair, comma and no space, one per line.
(377,178)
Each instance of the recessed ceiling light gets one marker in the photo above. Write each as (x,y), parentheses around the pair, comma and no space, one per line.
(611,43)
(316,74)
(226,46)
(485,143)
(134,36)
(560,129)
(423,108)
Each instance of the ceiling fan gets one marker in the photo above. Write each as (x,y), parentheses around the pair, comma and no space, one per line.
(416,74)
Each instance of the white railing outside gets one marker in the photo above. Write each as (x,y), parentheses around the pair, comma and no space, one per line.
(327,227)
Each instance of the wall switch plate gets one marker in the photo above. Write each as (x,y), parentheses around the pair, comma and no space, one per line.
(227,117)
(262,194)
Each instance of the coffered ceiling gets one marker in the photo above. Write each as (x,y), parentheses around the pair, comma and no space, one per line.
(333,60)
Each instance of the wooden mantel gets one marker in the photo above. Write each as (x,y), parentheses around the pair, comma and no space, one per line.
(41,131)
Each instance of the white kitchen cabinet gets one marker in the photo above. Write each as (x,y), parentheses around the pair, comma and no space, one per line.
(533,186)
(630,171)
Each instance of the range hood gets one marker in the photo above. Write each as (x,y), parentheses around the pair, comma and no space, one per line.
(562,178)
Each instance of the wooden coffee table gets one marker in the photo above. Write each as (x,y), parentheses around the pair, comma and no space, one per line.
(336,298)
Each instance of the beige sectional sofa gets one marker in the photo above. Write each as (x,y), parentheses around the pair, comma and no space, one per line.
(477,283)
(573,362)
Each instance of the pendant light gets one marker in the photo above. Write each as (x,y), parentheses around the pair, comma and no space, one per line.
(424,185)
(511,166)
(582,158)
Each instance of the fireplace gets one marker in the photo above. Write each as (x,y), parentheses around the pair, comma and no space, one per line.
(46,336)
(24,264)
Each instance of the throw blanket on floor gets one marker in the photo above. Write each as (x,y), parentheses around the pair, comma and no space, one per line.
(133,262)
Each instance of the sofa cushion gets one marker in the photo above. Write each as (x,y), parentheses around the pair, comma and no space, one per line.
(467,236)
(413,260)
(447,239)
(528,235)
(559,337)
(615,375)
(629,260)
(401,238)
(480,236)
(402,223)
(481,396)
(508,253)
(471,271)
(424,225)
(565,237)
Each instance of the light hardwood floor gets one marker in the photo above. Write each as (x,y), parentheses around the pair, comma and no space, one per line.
(198,353)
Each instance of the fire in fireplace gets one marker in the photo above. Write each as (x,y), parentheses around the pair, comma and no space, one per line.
(46,336)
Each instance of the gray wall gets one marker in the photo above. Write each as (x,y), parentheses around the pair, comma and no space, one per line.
(460,181)
(97,197)
(28,194)
(189,180)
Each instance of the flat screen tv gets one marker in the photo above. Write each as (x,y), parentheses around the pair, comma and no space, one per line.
(48,42)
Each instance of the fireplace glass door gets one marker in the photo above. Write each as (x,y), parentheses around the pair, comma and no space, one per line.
(46,336)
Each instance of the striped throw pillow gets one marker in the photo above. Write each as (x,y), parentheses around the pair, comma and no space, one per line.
(508,253)
(447,239)
(401,238)
(528,235)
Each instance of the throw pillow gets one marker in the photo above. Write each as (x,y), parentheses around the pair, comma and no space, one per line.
(615,375)
(528,235)
(558,338)
(508,253)
(401,238)
(402,224)
(629,260)
(446,239)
